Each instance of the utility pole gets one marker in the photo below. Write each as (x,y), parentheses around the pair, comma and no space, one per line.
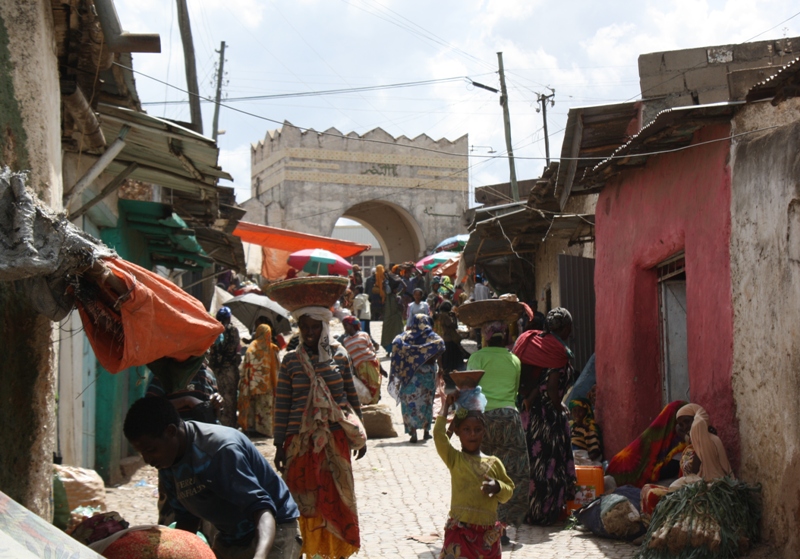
(191,66)
(543,100)
(507,124)
(220,73)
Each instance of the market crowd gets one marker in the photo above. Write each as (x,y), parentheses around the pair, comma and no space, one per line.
(458,364)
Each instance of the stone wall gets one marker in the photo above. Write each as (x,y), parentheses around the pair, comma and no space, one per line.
(765,273)
(409,198)
(30,136)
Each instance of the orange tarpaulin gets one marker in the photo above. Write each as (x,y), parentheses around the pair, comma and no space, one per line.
(155,319)
(277,244)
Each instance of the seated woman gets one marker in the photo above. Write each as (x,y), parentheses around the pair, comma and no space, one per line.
(649,458)
(703,459)
(584,431)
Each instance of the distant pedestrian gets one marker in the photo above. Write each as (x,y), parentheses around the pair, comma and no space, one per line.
(413,374)
(478,483)
(362,353)
(257,384)
(481,291)
(418,306)
(224,359)
(362,310)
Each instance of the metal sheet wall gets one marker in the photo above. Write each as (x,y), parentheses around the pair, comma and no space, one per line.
(576,286)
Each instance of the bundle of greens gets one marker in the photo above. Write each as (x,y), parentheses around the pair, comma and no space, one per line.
(704,520)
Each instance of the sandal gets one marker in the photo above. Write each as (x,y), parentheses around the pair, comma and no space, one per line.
(413,439)
(426,436)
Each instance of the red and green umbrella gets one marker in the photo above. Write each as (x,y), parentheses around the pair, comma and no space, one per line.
(319,262)
(433,260)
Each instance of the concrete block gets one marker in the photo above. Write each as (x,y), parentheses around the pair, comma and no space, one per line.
(713,95)
(679,100)
(662,84)
(748,52)
(651,64)
(704,78)
(741,81)
(685,59)
(720,55)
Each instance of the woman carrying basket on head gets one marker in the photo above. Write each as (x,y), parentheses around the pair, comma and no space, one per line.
(314,422)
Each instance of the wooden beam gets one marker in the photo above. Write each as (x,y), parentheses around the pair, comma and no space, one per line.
(112,186)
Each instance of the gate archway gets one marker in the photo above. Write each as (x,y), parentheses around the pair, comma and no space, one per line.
(397,231)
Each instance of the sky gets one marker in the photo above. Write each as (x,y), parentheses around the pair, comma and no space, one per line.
(586,51)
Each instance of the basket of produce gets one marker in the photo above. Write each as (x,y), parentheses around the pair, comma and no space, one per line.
(713,520)
(466,379)
(312,291)
(480,312)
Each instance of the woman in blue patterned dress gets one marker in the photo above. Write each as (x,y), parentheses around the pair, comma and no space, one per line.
(413,374)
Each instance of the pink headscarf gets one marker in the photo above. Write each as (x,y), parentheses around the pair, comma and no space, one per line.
(708,447)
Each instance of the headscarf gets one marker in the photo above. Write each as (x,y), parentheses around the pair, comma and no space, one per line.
(379,279)
(446,285)
(413,348)
(352,321)
(707,446)
(223,313)
(557,319)
(584,403)
(323,315)
(490,329)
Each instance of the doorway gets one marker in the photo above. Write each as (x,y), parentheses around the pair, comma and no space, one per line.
(674,349)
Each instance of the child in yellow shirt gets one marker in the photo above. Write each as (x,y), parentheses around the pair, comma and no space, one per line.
(477,484)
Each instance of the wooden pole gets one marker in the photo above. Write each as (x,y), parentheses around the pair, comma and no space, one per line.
(220,73)
(190,66)
(507,125)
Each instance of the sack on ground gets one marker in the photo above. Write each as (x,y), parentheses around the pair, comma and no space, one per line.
(84,487)
(378,421)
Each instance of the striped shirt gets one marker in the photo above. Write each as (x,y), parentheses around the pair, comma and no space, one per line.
(294,386)
(359,347)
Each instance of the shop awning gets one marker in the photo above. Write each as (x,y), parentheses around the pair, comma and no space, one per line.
(277,244)
(170,242)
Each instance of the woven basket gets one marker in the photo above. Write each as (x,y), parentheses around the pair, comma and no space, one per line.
(466,379)
(480,312)
(314,291)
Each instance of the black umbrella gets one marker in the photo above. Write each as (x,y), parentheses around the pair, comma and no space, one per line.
(250,306)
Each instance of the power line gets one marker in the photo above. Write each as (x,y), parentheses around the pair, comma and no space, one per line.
(320,92)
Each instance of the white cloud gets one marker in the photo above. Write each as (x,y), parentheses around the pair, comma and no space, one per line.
(237,162)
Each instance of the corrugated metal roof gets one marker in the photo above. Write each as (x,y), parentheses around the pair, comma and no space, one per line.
(592,132)
(670,129)
(168,155)
(769,87)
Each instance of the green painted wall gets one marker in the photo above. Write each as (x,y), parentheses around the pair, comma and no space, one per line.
(115,393)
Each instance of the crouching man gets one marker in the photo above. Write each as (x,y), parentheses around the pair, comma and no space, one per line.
(216,474)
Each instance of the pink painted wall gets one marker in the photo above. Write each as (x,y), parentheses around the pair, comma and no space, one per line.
(678,201)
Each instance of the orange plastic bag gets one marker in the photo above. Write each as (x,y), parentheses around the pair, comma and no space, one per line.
(155,319)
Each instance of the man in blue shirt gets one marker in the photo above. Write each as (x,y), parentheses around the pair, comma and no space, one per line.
(216,474)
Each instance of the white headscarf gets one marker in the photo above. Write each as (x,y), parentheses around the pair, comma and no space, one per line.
(323,315)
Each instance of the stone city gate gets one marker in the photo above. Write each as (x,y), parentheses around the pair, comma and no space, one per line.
(410,193)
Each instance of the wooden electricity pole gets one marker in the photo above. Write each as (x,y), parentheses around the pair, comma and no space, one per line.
(507,123)
(543,101)
(220,73)
(191,66)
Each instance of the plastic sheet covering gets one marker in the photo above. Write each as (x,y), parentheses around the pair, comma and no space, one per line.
(34,240)
(24,535)
(153,319)
(39,249)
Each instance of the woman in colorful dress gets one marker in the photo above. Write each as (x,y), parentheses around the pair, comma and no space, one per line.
(312,450)
(257,383)
(413,374)
(362,353)
(546,376)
